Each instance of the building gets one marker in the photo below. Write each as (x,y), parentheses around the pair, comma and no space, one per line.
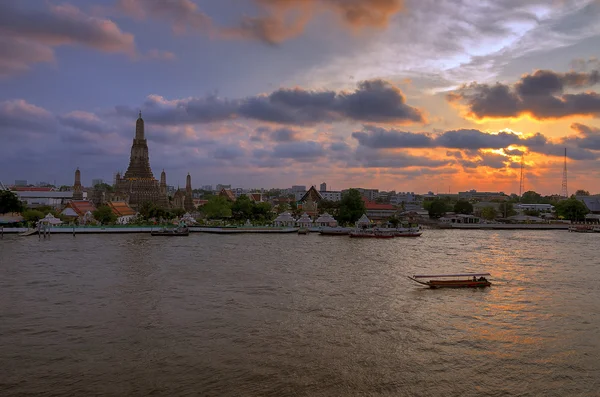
(33,197)
(138,185)
(20,182)
(482,196)
(77,188)
(331,196)
(122,210)
(591,202)
(369,194)
(403,197)
(207,188)
(535,207)
(323,187)
(309,203)
(221,187)
(82,210)
(227,193)
(377,211)
(97,182)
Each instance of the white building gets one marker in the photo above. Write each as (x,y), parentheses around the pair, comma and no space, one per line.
(403,197)
(40,198)
(535,207)
(331,196)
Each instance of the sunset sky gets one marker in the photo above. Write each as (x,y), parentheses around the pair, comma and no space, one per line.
(413,95)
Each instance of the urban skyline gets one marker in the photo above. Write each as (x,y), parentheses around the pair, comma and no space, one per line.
(359,93)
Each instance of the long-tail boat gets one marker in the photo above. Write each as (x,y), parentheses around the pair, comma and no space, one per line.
(463,280)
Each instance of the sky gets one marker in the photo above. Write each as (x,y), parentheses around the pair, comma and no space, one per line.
(405,95)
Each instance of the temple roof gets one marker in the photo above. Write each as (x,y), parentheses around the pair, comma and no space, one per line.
(121,208)
(80,206)
(313,194)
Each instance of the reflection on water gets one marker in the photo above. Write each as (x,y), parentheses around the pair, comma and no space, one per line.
(299,315)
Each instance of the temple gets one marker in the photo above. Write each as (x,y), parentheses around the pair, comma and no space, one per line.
(77,189)
(138,184)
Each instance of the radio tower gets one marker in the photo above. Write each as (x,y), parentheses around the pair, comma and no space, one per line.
(522,182)
(565,192)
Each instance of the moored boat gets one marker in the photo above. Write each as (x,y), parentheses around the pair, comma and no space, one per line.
(335,231)
(362,233)
(303,230)
(408,234)
(464,280)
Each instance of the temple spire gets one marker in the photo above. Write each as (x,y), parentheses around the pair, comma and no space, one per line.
(139,127)
(77,189)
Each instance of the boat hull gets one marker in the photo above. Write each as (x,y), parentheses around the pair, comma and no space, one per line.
(458,284)
(169,234)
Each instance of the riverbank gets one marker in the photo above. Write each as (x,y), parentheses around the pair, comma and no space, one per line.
(511,226)
(142,229)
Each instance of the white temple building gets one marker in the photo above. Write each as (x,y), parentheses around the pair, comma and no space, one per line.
(285,219)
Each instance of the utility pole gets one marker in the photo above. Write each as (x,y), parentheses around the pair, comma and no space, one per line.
(564,191)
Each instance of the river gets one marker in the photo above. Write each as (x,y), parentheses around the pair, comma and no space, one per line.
(294,315)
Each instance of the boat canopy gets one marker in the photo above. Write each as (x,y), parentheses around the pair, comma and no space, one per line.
(453,275)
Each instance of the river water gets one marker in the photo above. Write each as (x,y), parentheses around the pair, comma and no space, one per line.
(290,315)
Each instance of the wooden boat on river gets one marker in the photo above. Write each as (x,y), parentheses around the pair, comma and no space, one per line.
(464,280)
(180,231)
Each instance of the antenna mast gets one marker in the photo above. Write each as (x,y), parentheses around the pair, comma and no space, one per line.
(564,191)
(522,181)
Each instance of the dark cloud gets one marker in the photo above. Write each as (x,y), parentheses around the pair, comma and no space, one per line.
(184,15)
(28,35)
(541,95)
(228,152)
(19,116)
(471,141)
(587,138)
(84,121)
(380,138)
(491,160)
(373,101)
(339,147)
(373,158)
(299,151)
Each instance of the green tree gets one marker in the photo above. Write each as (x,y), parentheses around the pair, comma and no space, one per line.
(32,215)
(531,197)
(437,208)
(242,207)
(217,207)
(463,207)
(146,209)
(9,202)
(262,212)
(571,209)
(352,207)
(104,187)
(394,221)
(104,215)
(331,207)
(178,212)
(582,192)
(507,209)
(489,213)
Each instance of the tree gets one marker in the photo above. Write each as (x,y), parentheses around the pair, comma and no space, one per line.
(32,215)
(104,215)
(9,202)
(531,197)
(262,212)
(489,213)
(531,212)
(241,209)
(394,221)
(582,192)
(507,209)
(178,212)
(571,209)
(217,207)
(331,207)
(104,187)
(437,208)
(463,207)
(352,207)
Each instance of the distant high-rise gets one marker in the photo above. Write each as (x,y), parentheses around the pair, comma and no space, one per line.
(77,189)
(21,182)
(138,184)
(564,190)
(323,187)
(97,181)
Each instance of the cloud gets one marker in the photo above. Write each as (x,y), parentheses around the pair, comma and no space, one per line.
(184,15)
(540,95)
(370,158)
(374,101)
(28,36)
(470,140)
(19,116)
(277,21)
(300,151)
(228,152)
